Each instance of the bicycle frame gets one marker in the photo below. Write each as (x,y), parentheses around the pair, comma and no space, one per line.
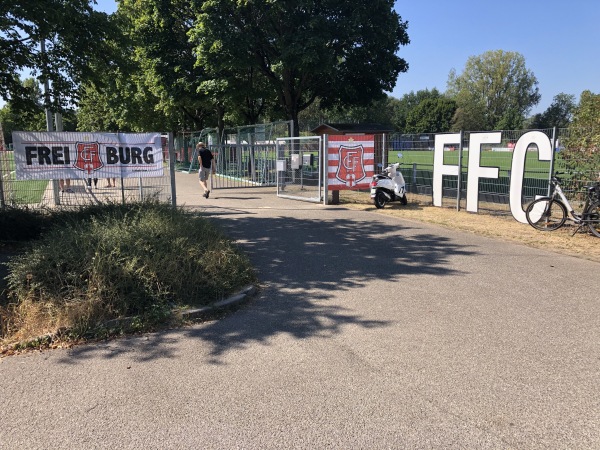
(572,214)
(542,215)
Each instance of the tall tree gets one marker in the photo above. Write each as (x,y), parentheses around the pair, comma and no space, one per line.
(343,52)
(20,116)
(582,148)
(55,40)
(432,115)
(558,114)
(494,91)
(163,57)
(403,106)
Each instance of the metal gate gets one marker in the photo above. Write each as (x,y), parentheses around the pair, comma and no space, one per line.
(299,174)
(244,165)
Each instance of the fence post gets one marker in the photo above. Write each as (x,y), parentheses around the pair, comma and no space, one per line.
(459,181)
(172,169)
(383,150)
(325,170)
(2,201)
(414,178)
(552,160)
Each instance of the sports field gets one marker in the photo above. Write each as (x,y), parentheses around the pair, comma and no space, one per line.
(503,160)
(15,191)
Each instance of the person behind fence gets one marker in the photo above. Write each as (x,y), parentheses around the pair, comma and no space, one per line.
(65,185)
(205,161)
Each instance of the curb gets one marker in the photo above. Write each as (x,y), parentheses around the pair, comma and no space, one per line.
(235,300)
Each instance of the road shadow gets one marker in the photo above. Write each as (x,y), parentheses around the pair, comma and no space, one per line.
(302,265)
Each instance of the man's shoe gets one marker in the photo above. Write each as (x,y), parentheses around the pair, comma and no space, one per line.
(207,194)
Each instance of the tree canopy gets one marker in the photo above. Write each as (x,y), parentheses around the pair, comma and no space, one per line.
(341,52)
(582,148)
(558,114)
(494,91)
(57,41)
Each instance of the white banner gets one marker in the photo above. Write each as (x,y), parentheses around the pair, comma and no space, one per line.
(61,155)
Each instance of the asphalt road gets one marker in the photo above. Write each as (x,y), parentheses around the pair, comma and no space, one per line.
(368,332)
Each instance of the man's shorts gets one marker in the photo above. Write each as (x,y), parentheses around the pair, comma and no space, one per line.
(203,173)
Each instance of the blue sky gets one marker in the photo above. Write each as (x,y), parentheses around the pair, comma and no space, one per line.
(560,41)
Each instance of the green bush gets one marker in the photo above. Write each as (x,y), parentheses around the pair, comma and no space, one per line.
(111,261)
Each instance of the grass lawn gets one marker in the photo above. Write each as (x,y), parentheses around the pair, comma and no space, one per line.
(502,160)
(20,192)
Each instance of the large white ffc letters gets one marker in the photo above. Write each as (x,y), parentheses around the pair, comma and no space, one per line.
(475,171)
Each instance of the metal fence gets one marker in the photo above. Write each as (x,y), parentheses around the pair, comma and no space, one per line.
(266,133)
(243,165)
(54,193)
(299,172)
(415,153)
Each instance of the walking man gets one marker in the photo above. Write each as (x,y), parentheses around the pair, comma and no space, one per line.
(206,163)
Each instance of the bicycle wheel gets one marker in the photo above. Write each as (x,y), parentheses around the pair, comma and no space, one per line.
(593,215)
(546,214)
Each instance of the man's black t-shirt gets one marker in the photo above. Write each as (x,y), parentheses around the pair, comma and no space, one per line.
(206,157)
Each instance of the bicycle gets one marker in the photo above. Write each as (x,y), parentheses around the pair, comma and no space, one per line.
(551,213)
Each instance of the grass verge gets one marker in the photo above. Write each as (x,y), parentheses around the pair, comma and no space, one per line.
(498,224)
(82,269)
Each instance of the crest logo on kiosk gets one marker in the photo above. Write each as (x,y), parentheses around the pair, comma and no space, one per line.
(351,169)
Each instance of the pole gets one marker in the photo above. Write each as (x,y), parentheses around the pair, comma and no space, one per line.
(324,169)
(552,161)
(49,124)
(172,170)
(459,181)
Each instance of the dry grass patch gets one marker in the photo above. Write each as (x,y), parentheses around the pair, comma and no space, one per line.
(494,224)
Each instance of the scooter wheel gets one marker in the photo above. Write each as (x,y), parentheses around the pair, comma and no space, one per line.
(380,200)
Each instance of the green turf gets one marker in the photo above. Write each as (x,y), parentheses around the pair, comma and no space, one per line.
(503,160)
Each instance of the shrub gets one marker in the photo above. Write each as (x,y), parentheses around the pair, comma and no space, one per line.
(104,262)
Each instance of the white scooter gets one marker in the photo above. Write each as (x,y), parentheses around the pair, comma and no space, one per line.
(388,186)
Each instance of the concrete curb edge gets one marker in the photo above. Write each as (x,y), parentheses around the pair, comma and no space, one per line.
(236,299)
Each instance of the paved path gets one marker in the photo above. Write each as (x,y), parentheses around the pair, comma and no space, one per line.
(369,332)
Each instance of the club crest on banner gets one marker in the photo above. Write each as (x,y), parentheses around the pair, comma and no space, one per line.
(351,169)
(88,157)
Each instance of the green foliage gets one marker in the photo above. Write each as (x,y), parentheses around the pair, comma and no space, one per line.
(342,52)
(582,149)
(495,91)
(74,36)
(400,109)
(378,111)
(558,114)
(162,62)
(105,262)
(432,115)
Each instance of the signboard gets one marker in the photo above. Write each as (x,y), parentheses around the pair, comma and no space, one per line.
(61,155)
(350,161)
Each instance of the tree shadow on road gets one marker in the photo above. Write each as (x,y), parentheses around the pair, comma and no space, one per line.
(310,272)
